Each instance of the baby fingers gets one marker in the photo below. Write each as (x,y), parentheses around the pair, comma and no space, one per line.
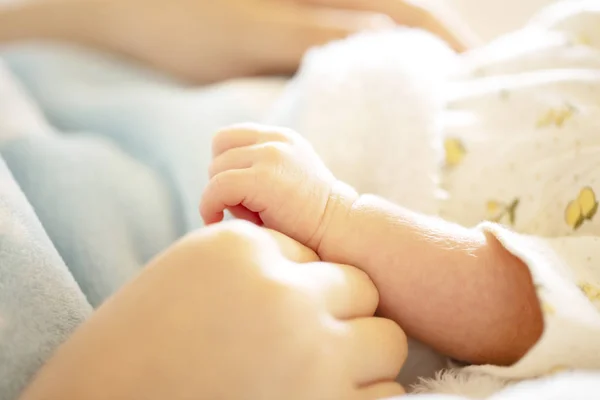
(243,135)
(229,189)
(266,155)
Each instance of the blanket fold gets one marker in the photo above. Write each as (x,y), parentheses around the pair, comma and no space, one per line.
(40,302)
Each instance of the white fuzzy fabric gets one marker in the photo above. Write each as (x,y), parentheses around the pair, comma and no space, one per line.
(461,383)
(361,101)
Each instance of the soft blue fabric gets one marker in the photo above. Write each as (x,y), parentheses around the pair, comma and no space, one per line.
(106,214)
(166,127)
(40,302)
(115,180)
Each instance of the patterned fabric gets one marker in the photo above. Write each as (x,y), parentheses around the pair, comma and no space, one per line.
(522,146)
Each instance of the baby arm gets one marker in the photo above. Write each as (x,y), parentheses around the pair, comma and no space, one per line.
(454,288)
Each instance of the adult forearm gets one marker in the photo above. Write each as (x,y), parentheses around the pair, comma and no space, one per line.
(452,287)
(76,21)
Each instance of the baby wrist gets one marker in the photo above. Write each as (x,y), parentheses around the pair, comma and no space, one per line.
(334,225)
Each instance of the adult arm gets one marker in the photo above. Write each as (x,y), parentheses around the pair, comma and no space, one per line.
(75,21)
(207,41)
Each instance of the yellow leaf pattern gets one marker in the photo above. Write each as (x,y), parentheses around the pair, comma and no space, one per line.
(582,39)
(591,291)
(455,151)
(556,116)
(583,208)
(548,309)
(501,212)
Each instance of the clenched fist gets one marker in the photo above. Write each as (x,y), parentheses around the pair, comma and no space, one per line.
(269,176)
(235,312)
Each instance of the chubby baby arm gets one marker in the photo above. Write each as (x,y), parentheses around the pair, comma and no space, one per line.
(454,288)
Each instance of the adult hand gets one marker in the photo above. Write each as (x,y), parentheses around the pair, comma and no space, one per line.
(230,313)
(207,40)
(423,14)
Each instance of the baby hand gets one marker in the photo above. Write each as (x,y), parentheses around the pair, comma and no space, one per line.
(269,176)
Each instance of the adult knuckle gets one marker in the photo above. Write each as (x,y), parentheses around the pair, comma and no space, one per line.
(398,337)
(300,306)
(239,230)
(275,291)
(394,329)
(237,233)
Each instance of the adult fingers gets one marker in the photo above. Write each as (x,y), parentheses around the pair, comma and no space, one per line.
(293,28)
(441,22)
(448,26)
(378,350)
(380,391)
(346,291)
(398,10)
(292,249)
